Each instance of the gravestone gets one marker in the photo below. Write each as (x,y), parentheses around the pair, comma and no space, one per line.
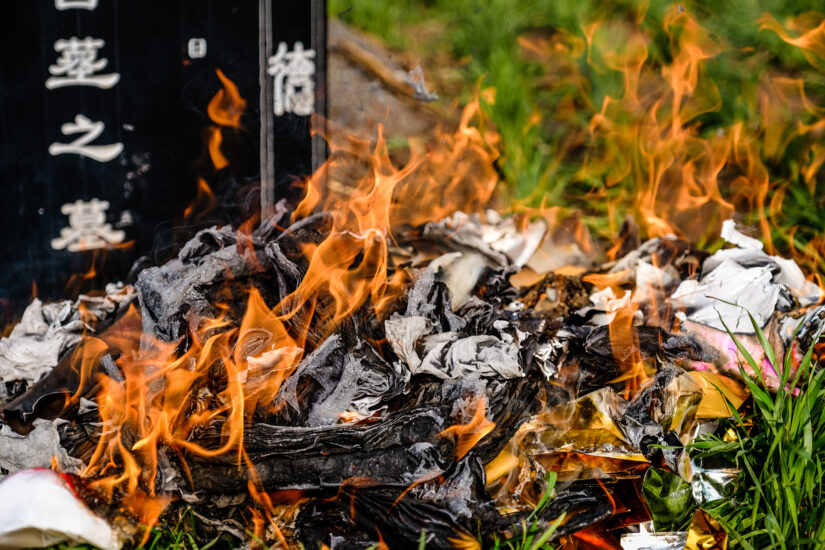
(105,129)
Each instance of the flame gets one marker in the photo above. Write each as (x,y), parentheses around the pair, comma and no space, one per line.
(80,281)
(645,145)
(350,266)
(158,401)
(89,281)
(660,149)
(607,280)
(467,435)
(626,351)
(204,201)
(227,106)
(214,140)
(465,541)
(225,109)
(812,39)
(261,521)
(649,135)
(226,369)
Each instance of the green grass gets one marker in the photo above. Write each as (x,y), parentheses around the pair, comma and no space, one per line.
(534,533)
(174,534)
(779,499)
(182,533)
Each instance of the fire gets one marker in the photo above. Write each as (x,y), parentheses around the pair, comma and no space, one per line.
(350,265)
(227,106)
(625,344)
(226,369)
(649,135)
(658,144)
(230,367)
(812,39)
(225,109)
(158,398)
(467,435)
(214,142)
(204,201)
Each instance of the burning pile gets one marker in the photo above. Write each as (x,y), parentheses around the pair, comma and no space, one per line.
(387,358)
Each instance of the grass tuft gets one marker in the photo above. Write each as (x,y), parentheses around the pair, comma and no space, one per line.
(533,533)
(778,501)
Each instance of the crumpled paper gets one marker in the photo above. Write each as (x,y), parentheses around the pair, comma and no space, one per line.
(669,499)
(46,331)
(447,354)
(705,533)
(648,540)
(748,278)
(711,483)
(38,509)
(355,383)
(430,339)
(35,450)
(474,245)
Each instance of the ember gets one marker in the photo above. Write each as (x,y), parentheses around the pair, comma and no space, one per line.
(392,360)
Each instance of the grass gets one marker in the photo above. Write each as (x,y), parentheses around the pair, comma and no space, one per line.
(533,535)
(180,534)
(779,499)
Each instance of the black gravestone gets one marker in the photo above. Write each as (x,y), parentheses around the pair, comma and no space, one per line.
(104,127)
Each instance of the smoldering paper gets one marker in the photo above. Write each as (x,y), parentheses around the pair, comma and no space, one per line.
(382,405)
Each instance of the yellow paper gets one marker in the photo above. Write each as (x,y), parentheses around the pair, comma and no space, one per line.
(713,404)
(705,533)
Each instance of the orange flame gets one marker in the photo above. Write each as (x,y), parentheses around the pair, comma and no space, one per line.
(232,368)
(647,149)
(227,106)
(225,109)
(812,39)
(350,266)
(651,138)
(467,435)
(204,201)
(214,145)
(648,136)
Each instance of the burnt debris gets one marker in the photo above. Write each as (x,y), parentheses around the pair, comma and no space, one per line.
(441,412)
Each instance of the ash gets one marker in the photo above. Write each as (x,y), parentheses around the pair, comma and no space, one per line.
(509,355)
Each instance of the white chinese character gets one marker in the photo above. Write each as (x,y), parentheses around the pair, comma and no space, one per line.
(75,4)
(196,47)
(87,227)
(80,146)
(78,64)
(294,89)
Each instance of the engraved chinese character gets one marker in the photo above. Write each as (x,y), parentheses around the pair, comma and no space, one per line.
(294,89)
(75,4)
(80,146)
(196,48)
(78,64)
(87,229)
